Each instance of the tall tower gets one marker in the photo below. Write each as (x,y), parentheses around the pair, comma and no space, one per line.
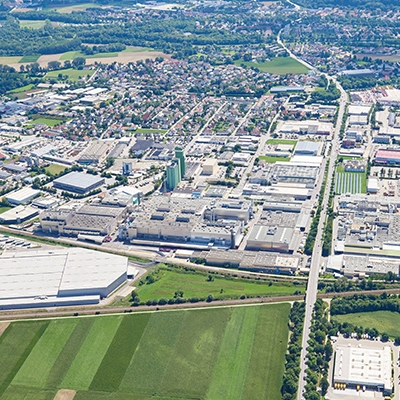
(173,174)
(181,157)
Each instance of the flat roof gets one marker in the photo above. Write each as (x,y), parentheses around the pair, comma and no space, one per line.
(79,180)
(363,366)
(30,273)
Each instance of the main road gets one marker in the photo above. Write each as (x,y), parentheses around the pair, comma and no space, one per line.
(316,257)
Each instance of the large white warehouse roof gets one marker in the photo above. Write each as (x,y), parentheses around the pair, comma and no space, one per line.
(59,273)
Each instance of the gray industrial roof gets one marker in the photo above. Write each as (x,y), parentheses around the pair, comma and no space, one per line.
(79,179)
(31,273)
(308,147)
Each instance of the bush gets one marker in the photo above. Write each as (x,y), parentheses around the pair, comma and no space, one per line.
(162,302)
(210,298)
(242,297)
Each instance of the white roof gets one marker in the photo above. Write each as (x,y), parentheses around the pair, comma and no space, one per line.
(22,195)
(30,273)
(363,366)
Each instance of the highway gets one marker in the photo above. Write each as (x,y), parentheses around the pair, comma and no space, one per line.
(316,258)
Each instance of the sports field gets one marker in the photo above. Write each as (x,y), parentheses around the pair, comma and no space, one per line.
(277,65)
(226,353)
(383,321)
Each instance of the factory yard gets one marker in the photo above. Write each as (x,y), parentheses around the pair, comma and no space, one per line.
(217,353)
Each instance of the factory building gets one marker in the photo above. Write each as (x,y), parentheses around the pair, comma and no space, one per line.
(363,368)
(22,196)
(95,152)
(58,277)
(210,166)
(307,148)
(78,182)
(187,222)
(271,238)
(89,219)
(388,157)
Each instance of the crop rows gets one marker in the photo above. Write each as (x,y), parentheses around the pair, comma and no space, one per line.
(235,353)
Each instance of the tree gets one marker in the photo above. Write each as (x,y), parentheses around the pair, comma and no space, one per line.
(384,337)
(79,62)
(324,386)
(54,65)
(210,278)
(397,341)
(210,298)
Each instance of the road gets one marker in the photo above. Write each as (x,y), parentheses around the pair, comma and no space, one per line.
(316,258)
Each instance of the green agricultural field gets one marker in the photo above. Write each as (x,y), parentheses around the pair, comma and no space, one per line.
(270,159)
(282,141)
(383,321)
(33,24)
(29,59)
(71,55)
(74,8)
(6,60)
(55,169)
(73,74)
(22,88)
(277,65)
(216,353)
(135,49)
(169,281)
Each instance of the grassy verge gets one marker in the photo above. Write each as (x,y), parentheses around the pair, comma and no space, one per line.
(383,321)
(270,159)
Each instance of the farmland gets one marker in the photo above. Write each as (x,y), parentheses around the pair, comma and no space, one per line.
(235,353)
(277,65)
(169,281)
(383,321)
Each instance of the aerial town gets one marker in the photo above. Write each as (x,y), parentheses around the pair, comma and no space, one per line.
(179,162)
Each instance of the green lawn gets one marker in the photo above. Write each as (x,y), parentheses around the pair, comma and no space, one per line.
(4,209)
(71,55)
(282,141)
(33,24)
(197,285)
(47,121)
(5,60)
(277,65)
(55,169)
(134,49)
(22,88)
(29,59)
(71,8)
(73,74)
(149,130)
(383,321)
(270,159)
(217,353)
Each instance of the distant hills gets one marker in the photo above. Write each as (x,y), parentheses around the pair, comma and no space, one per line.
(362,4)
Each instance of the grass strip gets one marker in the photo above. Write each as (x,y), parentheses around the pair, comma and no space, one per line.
(16,344)
(229,373)
(87,361)
(153,353)
(266,368)
(36,368)
(68,353)
(116,361)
